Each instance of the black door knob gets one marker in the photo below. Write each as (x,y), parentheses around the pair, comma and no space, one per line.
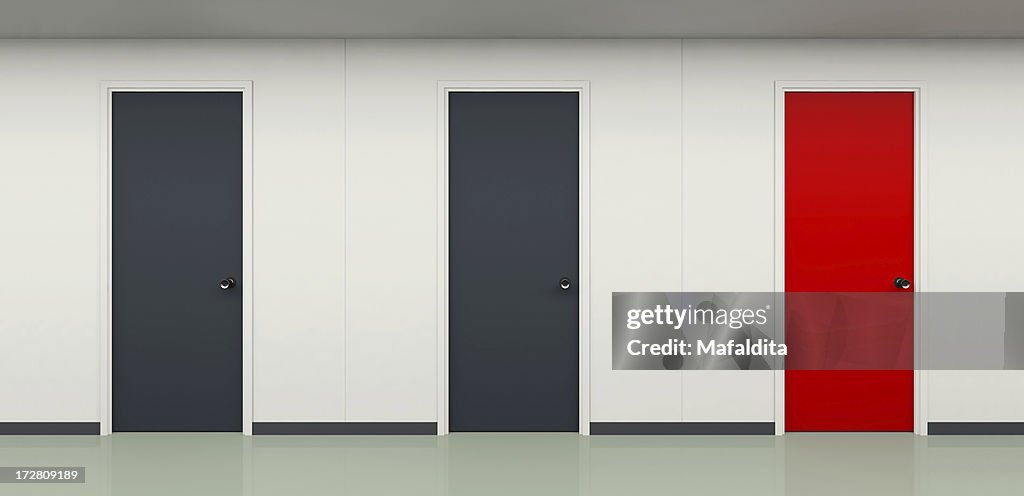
(565,283)
(227,283)
(902,283)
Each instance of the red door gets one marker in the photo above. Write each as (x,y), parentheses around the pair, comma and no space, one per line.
(849,233)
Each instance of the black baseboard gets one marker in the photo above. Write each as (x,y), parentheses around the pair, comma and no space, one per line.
(682,428)
(49,428)
(344,428)
(975,428)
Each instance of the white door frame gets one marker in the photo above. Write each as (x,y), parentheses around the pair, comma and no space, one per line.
(920,273)
(107,88)
(443,89)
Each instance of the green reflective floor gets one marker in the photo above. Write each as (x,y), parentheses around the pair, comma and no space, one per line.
(524,464)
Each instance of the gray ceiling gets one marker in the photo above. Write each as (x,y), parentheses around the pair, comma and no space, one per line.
(511,18)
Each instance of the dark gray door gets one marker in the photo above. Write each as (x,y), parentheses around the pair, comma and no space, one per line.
(513,234)
(176,234)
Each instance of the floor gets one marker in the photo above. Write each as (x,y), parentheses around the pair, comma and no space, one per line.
(520,464)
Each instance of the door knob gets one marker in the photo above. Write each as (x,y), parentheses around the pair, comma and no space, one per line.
(565,283)
(902,283)
(227,284)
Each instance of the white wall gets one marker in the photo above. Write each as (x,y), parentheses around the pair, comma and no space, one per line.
(345,286)
(345,222)
(392,228)
(974,171)
(49,190)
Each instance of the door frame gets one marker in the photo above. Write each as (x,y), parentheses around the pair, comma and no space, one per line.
(107,89)
(583,89)
(920,194)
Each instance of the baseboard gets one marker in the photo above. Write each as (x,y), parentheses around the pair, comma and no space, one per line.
(49,428)
(682,428)
(975,428)
(344,428)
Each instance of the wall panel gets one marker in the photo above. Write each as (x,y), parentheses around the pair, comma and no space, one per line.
(49,182)
(635,167)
